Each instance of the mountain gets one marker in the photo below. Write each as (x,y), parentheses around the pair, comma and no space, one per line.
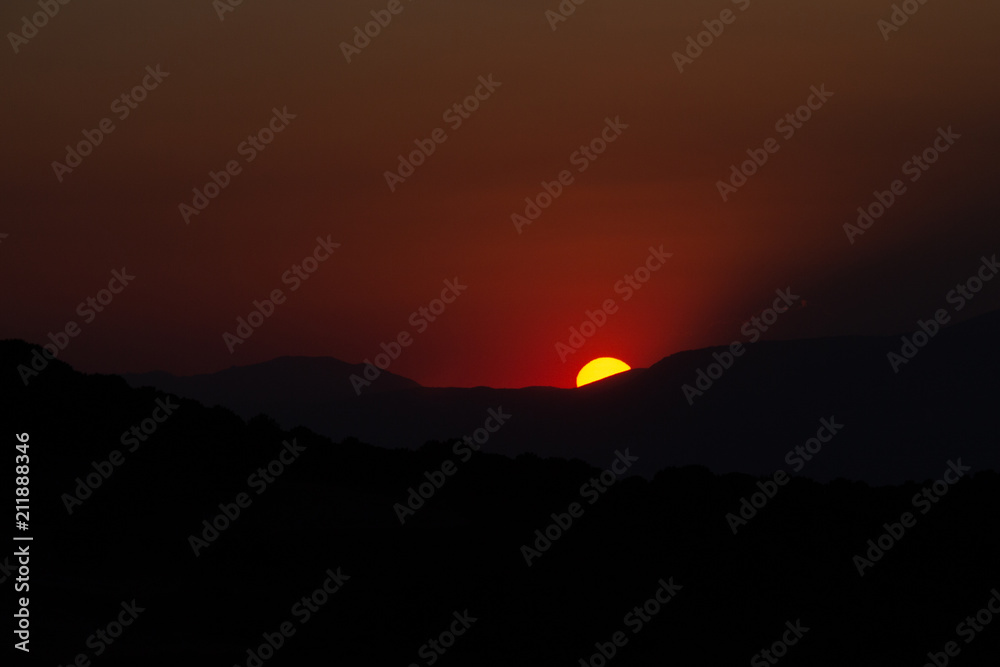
(898,423)
(272,387)
(218,532)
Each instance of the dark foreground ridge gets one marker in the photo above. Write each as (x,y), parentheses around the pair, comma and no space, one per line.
(167,531)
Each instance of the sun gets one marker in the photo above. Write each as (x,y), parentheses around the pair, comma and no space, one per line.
(600,368)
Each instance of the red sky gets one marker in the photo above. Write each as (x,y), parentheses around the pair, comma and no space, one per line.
(323,175)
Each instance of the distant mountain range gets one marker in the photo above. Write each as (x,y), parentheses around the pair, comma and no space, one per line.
(897,426)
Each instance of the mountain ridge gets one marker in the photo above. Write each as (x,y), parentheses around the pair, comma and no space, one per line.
(749,419)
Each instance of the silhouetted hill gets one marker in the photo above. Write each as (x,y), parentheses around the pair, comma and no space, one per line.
(897,426)
(332,508)
(271,387)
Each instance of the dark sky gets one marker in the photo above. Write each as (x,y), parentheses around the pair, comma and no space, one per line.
(324,176)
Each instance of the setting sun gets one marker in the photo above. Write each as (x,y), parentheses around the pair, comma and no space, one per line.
(600,368)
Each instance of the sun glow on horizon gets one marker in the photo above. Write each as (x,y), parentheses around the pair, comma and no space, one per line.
(600,368)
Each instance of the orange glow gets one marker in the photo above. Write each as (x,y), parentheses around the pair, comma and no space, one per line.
(600,368)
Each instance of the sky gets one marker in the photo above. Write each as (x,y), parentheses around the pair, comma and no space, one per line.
(337,116)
